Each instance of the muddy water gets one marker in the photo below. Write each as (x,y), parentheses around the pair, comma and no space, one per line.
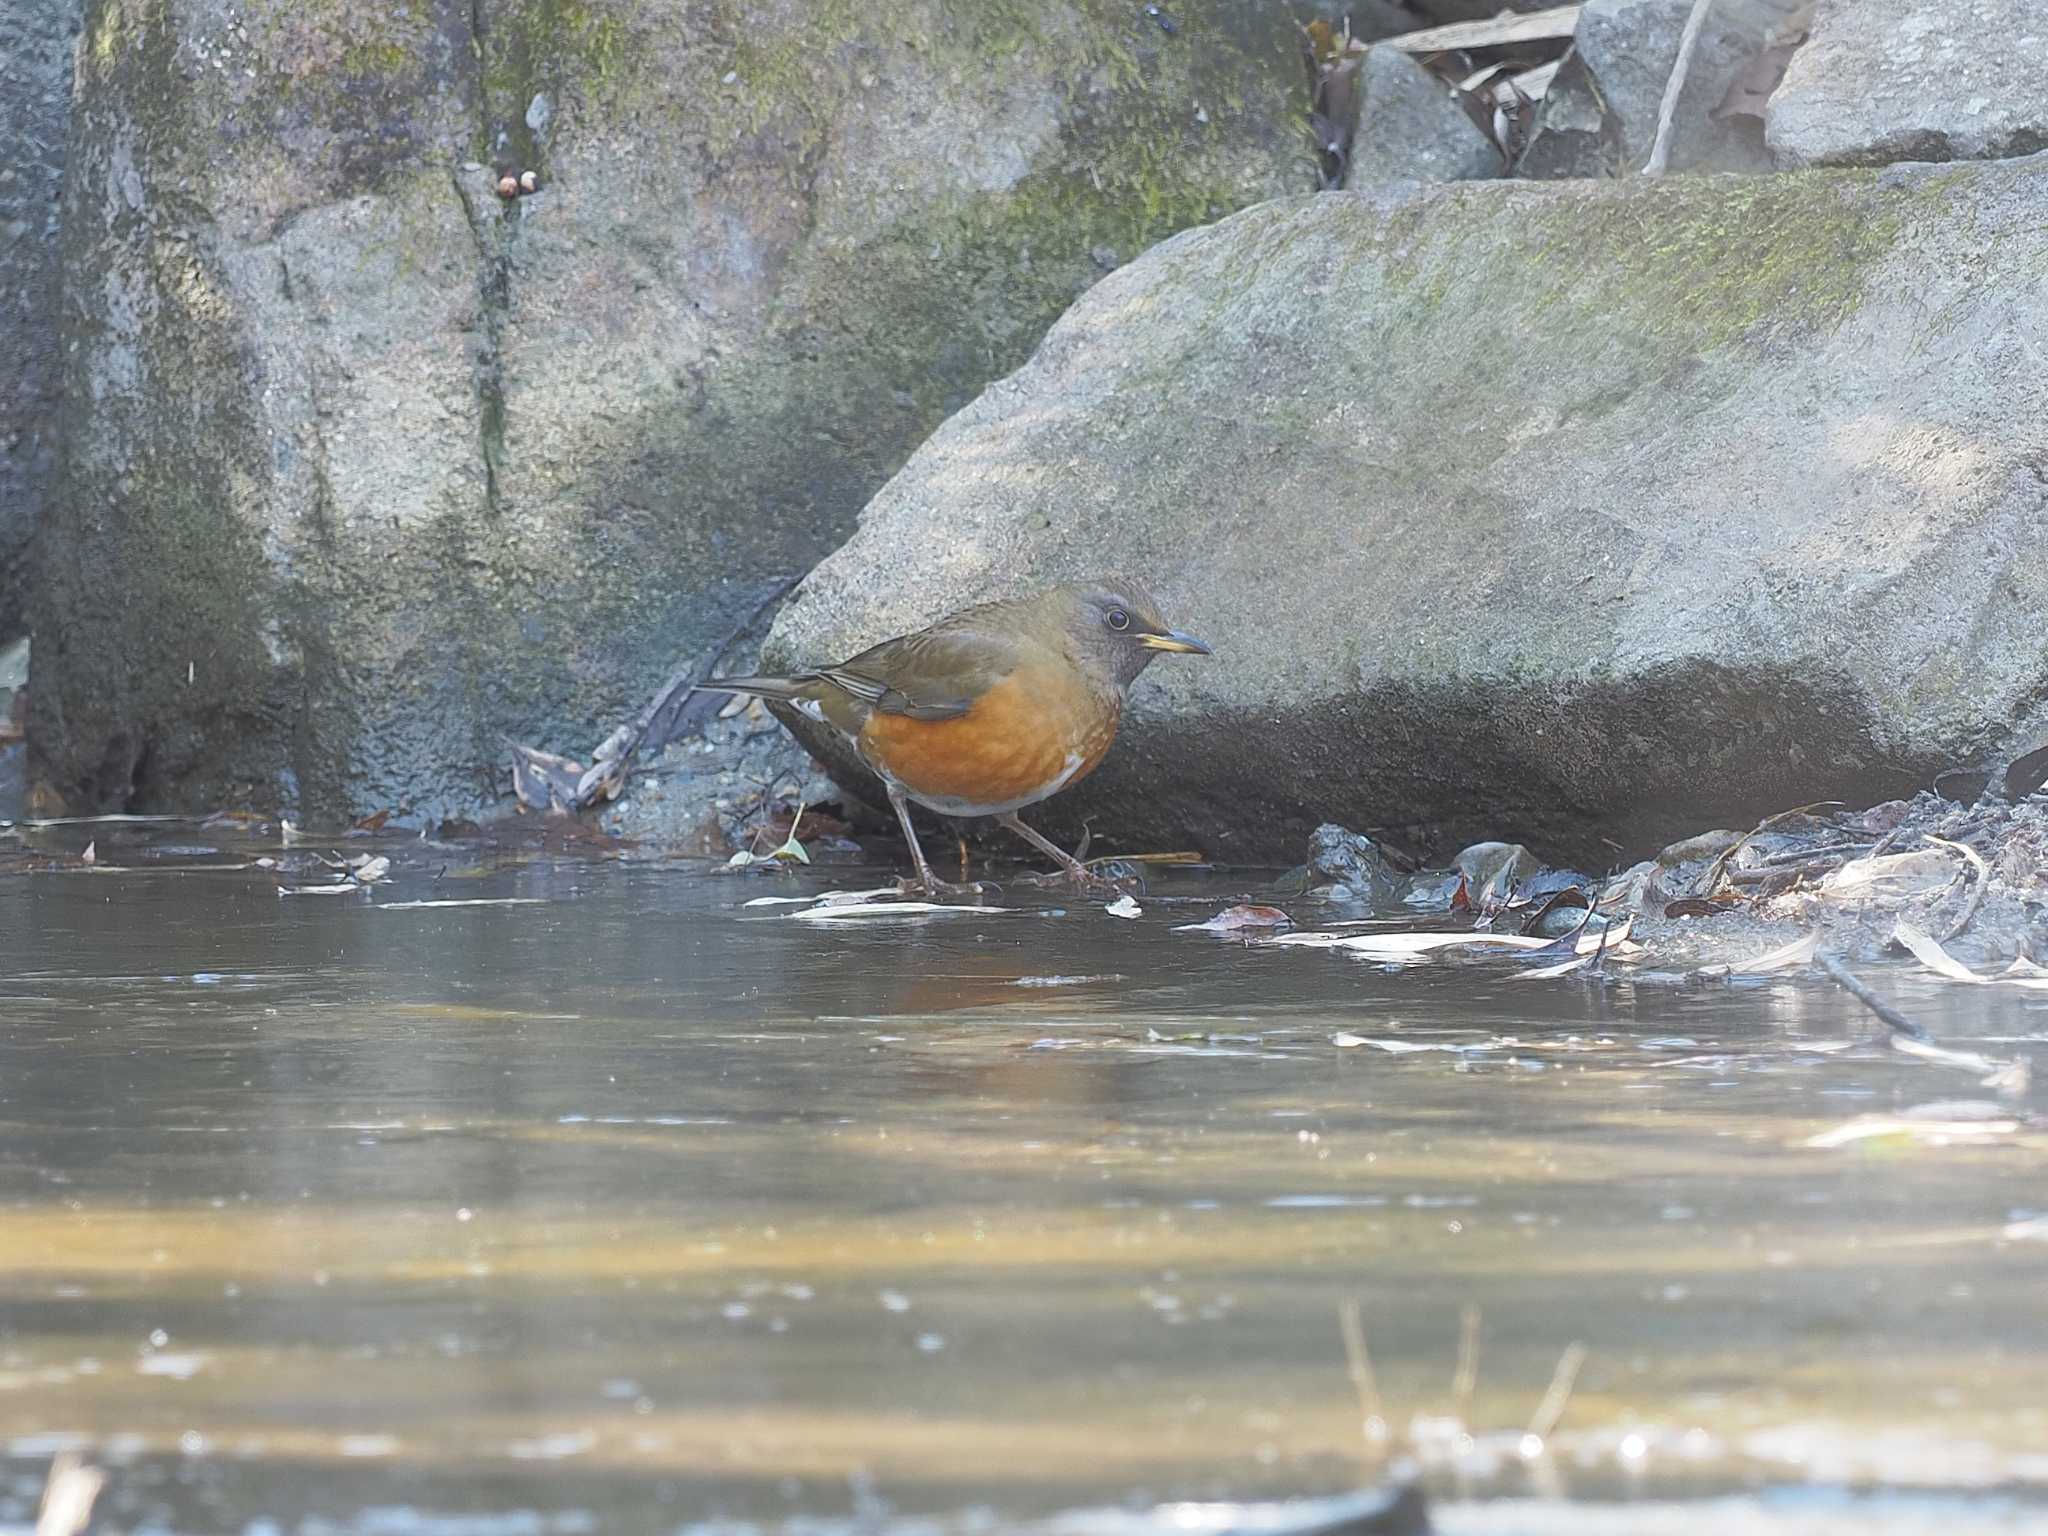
(629,1207)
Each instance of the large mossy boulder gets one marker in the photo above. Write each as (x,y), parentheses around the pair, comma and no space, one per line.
(369,468)
(35,96)
(1578,514)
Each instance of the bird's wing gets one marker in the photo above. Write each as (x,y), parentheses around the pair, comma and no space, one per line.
(935,674)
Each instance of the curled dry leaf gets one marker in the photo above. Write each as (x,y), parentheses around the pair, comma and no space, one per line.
(1788,957)
(1238,919)
(884,909)
(2021,973)
(1957,1120)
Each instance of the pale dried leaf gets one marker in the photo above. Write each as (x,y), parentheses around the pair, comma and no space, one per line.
(1938,1132)
(1788,957)
(1238,919)
(830,898)
(884,909)
(1928,951)
(1492,32)
(1891,874)
(475,901)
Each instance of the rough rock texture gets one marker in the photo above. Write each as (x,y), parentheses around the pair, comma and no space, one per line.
(1432,12)
(1880,81)
(1579,514)
(1350,868)
(1410,128)
(35,95)
(369,469)
(1599,117)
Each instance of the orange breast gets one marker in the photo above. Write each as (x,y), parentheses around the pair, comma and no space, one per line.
(1033,734)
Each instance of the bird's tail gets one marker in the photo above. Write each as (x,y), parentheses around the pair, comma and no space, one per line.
(756,687)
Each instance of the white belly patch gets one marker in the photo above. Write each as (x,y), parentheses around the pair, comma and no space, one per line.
(948,805)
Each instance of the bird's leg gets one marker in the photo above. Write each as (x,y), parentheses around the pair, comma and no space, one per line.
(933,887)
(1071,868)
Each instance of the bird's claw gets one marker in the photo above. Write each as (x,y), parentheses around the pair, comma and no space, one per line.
(1116,879)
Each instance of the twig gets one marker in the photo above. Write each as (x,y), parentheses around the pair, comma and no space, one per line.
(1688,45)
(1466,1379)
(1893,1019)
(1372,1415)
(1710,879)
(1800,855)
(1562,1380)
(68,1496)
(1977,893)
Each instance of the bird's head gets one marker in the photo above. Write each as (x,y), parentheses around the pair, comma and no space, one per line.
(1116,628)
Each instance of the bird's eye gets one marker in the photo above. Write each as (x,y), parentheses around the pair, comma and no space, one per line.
(1117,620)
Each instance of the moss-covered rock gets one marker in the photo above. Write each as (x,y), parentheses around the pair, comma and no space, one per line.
(35,97)
(1574,514)
(370,468)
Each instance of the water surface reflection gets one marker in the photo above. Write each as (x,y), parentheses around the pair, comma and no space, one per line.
(635,1207)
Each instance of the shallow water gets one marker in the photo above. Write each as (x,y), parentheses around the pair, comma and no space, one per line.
(635,1208)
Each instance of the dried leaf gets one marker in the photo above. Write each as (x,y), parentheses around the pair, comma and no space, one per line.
(1889,874)
(1395,1047)
(1940,1132)
(1239,918)
(476,901)
(829,899)
(1494,32)
(1788,957)
(884,909)
(1408,944)
(1938,960)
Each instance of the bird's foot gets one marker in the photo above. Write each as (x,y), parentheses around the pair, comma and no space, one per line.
(1112,879)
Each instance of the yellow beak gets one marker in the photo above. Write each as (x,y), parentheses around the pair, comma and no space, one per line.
(1174,640)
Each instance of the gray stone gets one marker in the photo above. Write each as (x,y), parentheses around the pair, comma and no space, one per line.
(1881,81)
(1410,128)
(35,96)
(1437,12)
(1600,116)
(1580,514)
(370,469)
(1354,862)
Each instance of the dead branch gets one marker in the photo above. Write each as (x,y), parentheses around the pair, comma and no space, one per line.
(1977,892)
(1372,1414)
(1562,1380)
(68,1496)
(1894,1020)
(1466,1379)
(1688,45)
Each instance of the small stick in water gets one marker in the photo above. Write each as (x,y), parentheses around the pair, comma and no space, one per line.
(1976,895)
(1894,1019)
(1372,1416)
(1466,1380)
(1562,1380)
